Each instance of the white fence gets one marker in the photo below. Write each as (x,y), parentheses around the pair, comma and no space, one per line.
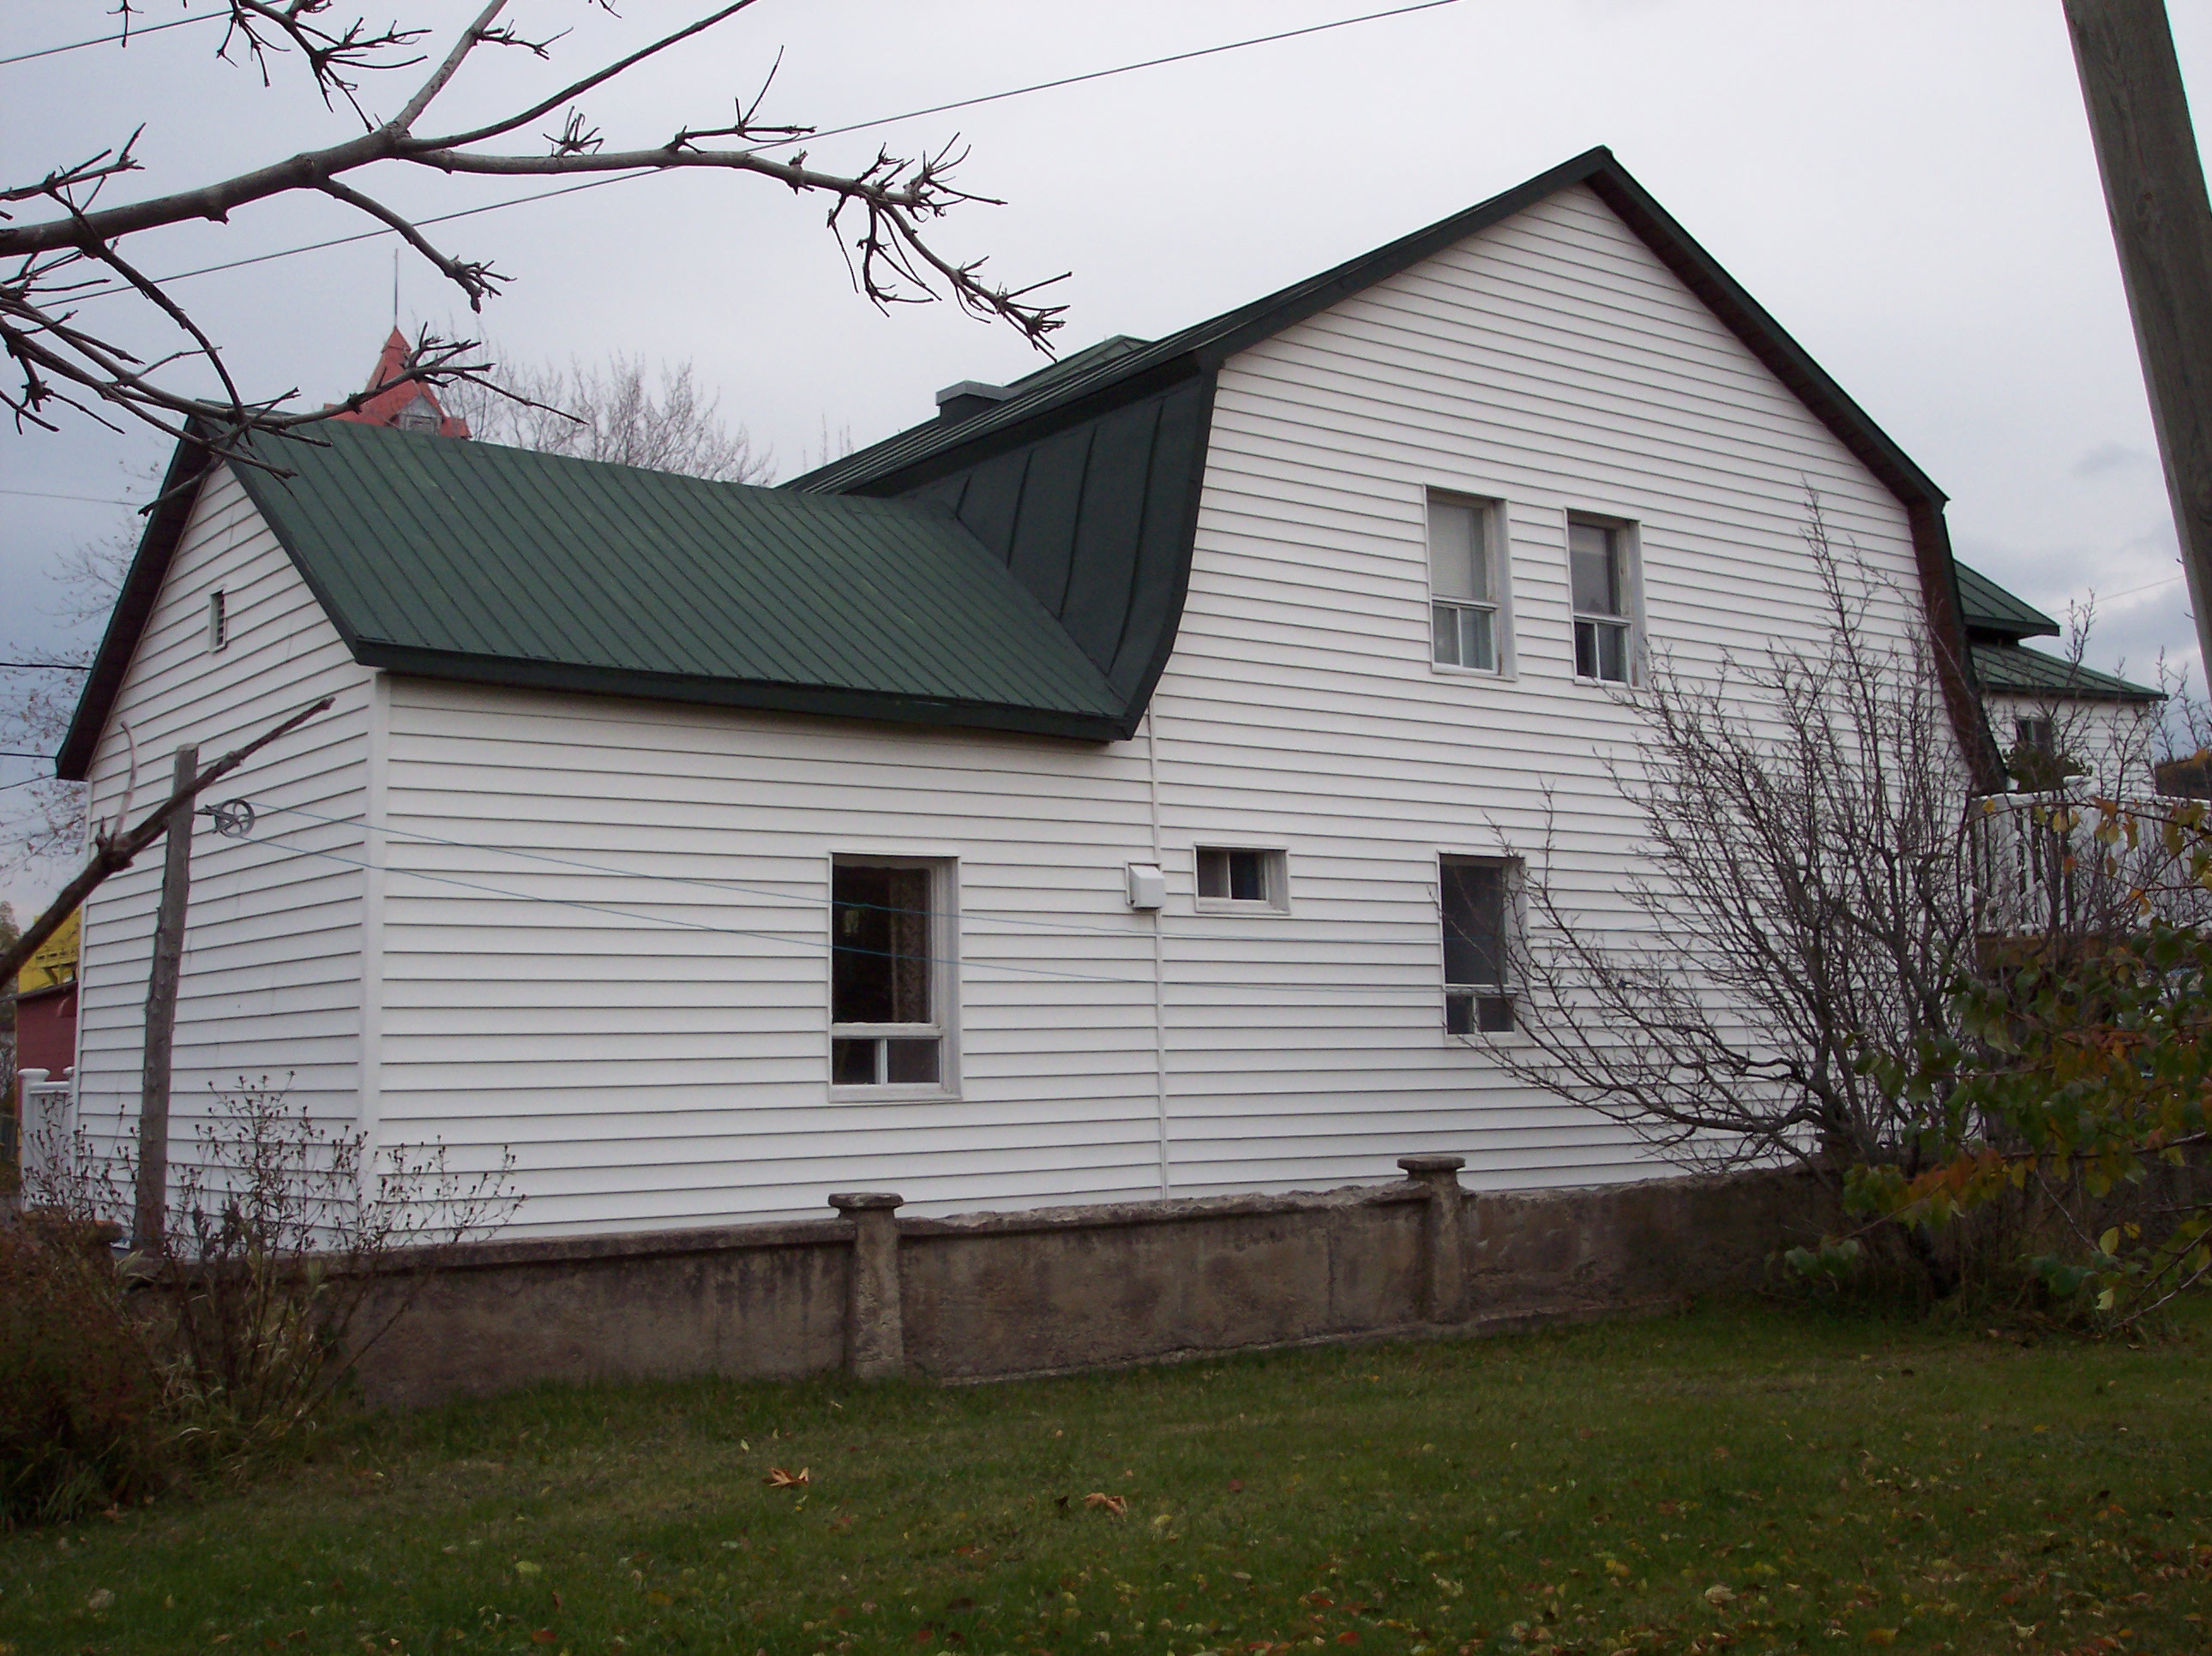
(45,1117)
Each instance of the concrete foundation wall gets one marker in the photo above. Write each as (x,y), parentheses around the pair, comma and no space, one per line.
(997,1294)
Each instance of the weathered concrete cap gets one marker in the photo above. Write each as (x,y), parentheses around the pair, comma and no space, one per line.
(865,1201)
(1419,1165)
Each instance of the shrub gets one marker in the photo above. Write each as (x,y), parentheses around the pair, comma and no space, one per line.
(81,1411)
(284,1255)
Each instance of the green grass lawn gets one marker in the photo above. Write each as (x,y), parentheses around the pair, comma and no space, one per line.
(1738,1478)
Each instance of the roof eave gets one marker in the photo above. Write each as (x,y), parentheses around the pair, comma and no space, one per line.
(825,700)
(134,605)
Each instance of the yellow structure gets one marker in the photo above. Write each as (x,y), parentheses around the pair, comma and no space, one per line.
(54,962)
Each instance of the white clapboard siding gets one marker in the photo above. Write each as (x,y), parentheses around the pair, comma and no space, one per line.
(271,978)
(2116,741)
(599,939)
(606,949)
(1552,364)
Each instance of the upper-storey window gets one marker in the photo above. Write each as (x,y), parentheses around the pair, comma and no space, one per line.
(1465,622)
(1604,590)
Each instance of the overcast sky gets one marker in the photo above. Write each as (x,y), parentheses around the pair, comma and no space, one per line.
(1907,185)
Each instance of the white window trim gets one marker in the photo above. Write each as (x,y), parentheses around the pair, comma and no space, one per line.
(1517,925)
(944,982)
(1632,597)
(1498,543)
(1277,902)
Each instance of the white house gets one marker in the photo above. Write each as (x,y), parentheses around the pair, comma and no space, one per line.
(713,847)
(2094,724)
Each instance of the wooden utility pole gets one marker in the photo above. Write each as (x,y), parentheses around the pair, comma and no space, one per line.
(151,1210)
(2154,191)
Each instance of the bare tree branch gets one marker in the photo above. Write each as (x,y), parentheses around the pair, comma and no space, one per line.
(60,363)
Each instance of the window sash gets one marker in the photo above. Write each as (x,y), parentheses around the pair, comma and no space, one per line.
(1465,636)
(1459,550)
(1595,572)
(1235,874)
(1601,649)
(1473,915)
(886,1024)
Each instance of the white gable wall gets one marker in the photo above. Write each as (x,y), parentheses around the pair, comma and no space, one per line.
(272,977)
(605,925)
(1553,364)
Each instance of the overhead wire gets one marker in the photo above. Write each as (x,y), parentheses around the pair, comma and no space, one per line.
(124,35)
(798,937)
(91,292)
(732,887)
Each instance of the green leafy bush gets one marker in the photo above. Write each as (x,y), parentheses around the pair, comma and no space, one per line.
(2074,1104)
(82,1421)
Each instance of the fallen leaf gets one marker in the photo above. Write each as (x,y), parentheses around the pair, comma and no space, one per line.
(101,1600)
(524,1566)
(1881,1635)
(1116,1504)
(779,1478)
(543,1637)
(1718,1595)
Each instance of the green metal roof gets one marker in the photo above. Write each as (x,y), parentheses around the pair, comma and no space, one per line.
(1024,568)
(466,560)
(2012,669)
(1993,612)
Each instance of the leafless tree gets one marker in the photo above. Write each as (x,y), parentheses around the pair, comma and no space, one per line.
(42,819)
(611,412)
(1821,870)
(882,213)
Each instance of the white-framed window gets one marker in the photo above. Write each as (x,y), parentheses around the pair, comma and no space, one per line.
(891,981)
(218,633)
(1475,909)
(417,416)
(1601,571)
(1243,879)
(1467,622)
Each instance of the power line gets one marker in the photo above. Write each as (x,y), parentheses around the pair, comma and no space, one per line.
(1102,73)
(43,494)
(102,40)
(785,143)
(1054,927)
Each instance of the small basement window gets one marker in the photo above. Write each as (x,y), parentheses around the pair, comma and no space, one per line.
(890,984)
(1232,878)
(218,632)
(1476,906)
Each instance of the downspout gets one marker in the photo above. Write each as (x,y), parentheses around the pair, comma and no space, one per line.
(1159,952)
(375,849)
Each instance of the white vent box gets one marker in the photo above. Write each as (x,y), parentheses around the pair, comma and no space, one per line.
(1148,885)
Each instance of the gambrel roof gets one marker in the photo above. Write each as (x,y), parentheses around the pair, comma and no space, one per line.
(1079,491)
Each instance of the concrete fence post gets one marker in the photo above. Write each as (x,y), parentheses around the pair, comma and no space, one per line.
(875,1330)
(1444,1233)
